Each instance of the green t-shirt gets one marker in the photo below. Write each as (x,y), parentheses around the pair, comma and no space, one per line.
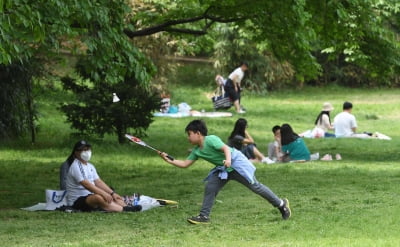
(211,151)
(297,150)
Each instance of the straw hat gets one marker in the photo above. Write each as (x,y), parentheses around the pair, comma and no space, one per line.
(327,107)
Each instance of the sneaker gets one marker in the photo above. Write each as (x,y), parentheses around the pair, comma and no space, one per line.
(285,210)
(199,219)
(327,157)
(314,156)
(241,112)
(267,160)
(338,157)
(135,208)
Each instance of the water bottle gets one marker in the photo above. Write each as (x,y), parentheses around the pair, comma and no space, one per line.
(136,198)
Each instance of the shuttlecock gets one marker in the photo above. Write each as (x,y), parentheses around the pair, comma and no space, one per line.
(115,98)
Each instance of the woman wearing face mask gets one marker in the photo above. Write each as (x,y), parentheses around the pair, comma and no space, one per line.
(86,190)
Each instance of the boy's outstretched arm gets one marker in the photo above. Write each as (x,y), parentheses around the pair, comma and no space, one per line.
(177,163)
(227,152)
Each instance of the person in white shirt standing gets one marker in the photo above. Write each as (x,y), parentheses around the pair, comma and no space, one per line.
(232,85)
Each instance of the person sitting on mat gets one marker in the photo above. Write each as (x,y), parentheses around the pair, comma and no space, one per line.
(323,120)
(86,190)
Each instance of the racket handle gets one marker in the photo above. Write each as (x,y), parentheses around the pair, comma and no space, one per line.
(170,157)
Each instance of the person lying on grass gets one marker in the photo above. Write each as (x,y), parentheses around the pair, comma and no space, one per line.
(229,164)
(86,191)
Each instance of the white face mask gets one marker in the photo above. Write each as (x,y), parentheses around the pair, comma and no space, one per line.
(86,155)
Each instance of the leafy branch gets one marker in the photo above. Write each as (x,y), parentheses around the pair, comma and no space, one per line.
(168,26)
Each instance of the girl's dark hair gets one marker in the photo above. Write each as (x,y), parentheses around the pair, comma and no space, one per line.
(197,126)
(287,134)
(240,127)
(71,158)
(319,118)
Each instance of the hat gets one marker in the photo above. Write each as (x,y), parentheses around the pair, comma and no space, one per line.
(81,144)
(327,106)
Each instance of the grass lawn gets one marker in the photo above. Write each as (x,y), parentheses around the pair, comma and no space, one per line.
(352,202)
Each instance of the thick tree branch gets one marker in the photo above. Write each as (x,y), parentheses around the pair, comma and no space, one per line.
(168,25)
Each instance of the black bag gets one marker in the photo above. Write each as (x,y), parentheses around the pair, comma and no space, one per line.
(220,100)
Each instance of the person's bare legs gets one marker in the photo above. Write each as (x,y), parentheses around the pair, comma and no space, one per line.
(258,154)
(237,106)
(96,201)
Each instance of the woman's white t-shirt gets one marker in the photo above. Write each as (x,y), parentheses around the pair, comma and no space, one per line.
(76,174)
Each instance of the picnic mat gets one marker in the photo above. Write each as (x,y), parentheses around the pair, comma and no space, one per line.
(193,114)
(146,202)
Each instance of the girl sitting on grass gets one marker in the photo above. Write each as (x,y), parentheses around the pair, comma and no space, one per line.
(293,145)
(242,141)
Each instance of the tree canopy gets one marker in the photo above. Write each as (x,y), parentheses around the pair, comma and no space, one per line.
(310,36)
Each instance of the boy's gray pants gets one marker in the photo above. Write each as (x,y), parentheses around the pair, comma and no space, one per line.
(215,184)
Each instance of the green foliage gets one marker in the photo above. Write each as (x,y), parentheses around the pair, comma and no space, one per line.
(351,43)
(95,112)
(95,29)
(235,44)
(361,47)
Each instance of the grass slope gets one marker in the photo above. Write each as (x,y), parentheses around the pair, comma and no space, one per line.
(353,202)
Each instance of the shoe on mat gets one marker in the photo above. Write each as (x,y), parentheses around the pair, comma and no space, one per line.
(199,219)
(285,209)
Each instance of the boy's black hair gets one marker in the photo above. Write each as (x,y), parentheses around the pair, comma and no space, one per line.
(347,105)
(197,126)
(275,128)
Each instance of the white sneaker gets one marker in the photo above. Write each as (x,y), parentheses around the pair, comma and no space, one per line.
(314,156)
(241,112)
(267,160)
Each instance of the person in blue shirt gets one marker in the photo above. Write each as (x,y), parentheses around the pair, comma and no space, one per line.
(293,145)
(230,164)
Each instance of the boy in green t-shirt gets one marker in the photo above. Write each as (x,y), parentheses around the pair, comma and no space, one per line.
(229,164)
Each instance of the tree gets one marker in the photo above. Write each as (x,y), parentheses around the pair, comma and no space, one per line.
(96,113)
(356,32)
(18,113)
(307,34)
(91,29)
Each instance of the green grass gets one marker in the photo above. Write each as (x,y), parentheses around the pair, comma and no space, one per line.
(353,202)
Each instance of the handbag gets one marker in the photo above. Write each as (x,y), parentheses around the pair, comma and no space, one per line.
(55,199)
(220,100)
